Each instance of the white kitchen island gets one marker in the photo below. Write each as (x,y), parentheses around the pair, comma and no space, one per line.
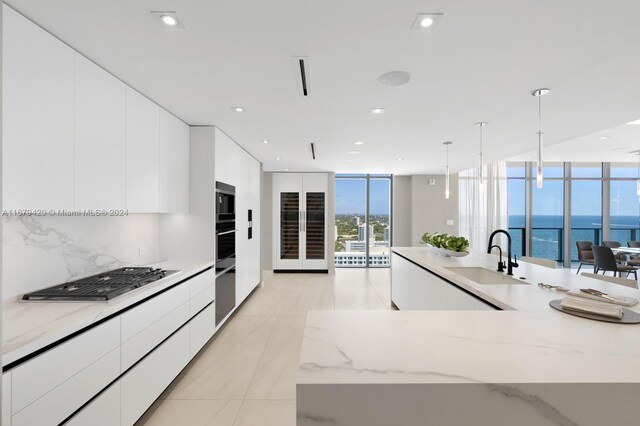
(525,365)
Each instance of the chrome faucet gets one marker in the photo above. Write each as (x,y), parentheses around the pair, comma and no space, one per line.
(510,264)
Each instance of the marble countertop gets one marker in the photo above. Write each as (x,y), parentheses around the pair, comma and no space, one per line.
(29,326)
(460,347)
(512,297)
(528,342)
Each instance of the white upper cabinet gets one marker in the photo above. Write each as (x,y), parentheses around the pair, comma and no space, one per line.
(174,164)
(38,117)
(99,138)
(143,153)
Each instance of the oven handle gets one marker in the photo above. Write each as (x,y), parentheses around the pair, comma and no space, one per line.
(219,274)
(227,232)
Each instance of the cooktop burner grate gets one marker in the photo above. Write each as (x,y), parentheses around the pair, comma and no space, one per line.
(100,287)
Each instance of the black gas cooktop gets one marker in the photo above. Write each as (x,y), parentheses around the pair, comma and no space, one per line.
(100,287)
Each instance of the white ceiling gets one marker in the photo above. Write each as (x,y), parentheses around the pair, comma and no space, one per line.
(612,145)
(478,65)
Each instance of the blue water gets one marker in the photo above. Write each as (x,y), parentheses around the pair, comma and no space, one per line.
(547,233)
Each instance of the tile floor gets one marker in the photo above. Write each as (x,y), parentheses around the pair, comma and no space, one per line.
(246,375)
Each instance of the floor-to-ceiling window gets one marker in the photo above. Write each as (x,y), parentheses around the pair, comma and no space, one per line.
(600,201)
(547,213)
(363,220)
(586,205)
(624,203)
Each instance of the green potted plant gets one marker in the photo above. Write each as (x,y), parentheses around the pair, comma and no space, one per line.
(446,244)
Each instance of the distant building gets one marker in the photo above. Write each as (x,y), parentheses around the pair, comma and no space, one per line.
(361,231)
(356,220)
(351,259)
(387,235)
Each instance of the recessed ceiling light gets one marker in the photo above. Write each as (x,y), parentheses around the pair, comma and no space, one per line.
(399,159)
(169,20)
(286,170)
(377,110)
(277,159)
(238,109)
(358,143)
(265,141)
(604,137)
(353,152)
(634,122)
(426,21)
(394,78)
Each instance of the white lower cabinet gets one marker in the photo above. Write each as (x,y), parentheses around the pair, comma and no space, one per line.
(147,380)
(6,399)
(414,288)
(202,328)
(102,411)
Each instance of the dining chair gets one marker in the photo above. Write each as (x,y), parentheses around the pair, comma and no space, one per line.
(620,257)
(605,261)
(615,280)
(634,260)
(585,255)
(539,261)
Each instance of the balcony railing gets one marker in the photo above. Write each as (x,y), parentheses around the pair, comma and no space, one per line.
(550,241)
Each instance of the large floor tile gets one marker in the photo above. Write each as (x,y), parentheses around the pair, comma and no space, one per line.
(192,413)
(267,413)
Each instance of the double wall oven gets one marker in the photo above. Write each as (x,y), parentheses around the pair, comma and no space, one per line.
(225,250)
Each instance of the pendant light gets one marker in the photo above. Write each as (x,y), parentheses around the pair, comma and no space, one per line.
(446,187)
(638,181)
(481,124)
(539,93)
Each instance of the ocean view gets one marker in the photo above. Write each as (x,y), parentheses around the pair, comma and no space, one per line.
(547,233)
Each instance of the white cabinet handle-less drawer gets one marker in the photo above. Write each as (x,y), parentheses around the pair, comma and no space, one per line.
(36,377)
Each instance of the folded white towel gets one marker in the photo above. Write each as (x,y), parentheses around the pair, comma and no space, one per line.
(618,300)
(598,308)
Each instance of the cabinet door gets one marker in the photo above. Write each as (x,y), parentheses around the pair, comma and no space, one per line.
(287,217)
(38,111)
(255,184)
(400,282)
(142,159)
(148,379)
(314,216)
(241,182)
(102,411)
(100,138)
(174,164)
(222,166)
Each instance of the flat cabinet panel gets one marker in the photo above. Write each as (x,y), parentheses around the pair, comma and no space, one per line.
(6,399)
(202,328)
(100,138)
(431,293)
(103,411)
(142,153)
(201,282)
(400,282)
(202,299)
(145,315)
(36,377)
(148,379)
(143,342)
(255,191)
(62,401)
(222,159)
(38,117)
(174,164)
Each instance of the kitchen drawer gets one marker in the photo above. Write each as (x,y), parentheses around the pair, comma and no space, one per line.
(146,381)
(203,326)
(58,404)
(199,301)
(201,282)
(139,345)
(36,377)
(6,399)
(147,313)
(102,411)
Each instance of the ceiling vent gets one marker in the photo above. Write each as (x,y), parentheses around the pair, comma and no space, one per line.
(313,150)
(301,69)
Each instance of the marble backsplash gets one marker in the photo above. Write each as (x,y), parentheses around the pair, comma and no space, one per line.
(43,251)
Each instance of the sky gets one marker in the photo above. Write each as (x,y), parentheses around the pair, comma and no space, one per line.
(351,196)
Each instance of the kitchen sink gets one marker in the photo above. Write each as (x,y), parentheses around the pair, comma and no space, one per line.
(485,276)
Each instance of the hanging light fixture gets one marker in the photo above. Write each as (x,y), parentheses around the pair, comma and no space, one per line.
(539,93)
(481,124)
(638,181)
(446,187)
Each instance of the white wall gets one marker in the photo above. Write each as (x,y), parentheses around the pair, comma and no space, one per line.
(39,252)
(401,220)
(429,208)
